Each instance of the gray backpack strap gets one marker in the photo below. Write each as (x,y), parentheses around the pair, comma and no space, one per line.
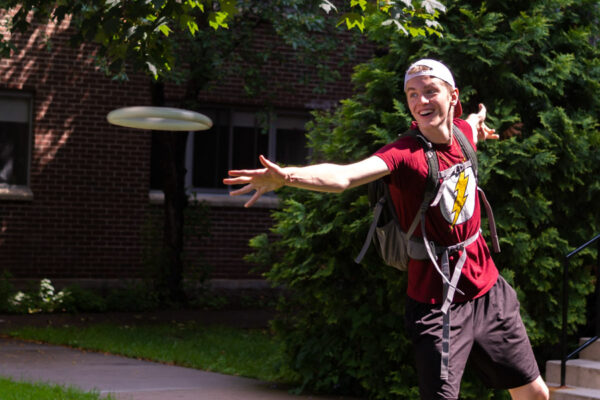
(491,221)
(469,152)
(433,182)
(466,148)
(433,257)
(366,244)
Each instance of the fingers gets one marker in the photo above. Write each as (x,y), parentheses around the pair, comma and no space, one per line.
(247,172)
(255,172)
(237,181)
(247,189)
(242,190)
(488,133)
(253,199)
(266,163)
(270,166)
(482,113)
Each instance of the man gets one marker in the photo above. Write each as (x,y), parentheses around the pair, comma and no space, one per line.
(480,321)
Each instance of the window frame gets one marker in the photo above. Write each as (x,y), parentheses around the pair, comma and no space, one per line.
(237,117)
(21,191)
(240,117)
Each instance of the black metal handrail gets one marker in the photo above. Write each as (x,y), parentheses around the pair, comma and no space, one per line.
(565,307)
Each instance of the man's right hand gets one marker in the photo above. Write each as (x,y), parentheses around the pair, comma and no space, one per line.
(263,180)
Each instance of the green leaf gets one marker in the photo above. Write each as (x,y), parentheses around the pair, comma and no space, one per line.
(361,3)
(196,3)
(192,27)
(416,31)
(217,20)
(164,28)
(353,20)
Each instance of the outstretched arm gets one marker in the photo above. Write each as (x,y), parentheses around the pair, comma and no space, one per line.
(332,178)
(480,130)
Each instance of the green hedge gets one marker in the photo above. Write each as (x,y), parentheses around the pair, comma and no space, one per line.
(533,62)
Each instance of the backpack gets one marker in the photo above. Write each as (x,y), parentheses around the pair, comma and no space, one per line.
(394,245)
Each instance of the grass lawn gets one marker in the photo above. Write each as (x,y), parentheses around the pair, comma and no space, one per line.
(227,350)
(13,390)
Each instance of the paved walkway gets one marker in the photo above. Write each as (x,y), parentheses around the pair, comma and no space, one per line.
(128,379)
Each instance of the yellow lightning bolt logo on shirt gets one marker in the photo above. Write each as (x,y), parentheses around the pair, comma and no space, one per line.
(461,196)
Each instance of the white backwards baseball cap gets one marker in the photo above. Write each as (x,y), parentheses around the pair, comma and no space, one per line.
(437,70)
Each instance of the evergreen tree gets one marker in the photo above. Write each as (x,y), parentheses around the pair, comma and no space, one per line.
(536,66)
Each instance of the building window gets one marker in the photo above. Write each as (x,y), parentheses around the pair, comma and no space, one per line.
(235,141)
(15,138)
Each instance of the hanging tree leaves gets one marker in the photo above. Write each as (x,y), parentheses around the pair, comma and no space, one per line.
(141,33)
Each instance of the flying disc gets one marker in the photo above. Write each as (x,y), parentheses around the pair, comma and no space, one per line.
(159,118)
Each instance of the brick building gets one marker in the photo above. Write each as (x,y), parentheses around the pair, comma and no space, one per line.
(76,193)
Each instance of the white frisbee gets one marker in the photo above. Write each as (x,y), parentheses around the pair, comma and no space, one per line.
(159,118)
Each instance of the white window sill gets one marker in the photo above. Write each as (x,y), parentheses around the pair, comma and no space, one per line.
(219,199)
(17,193)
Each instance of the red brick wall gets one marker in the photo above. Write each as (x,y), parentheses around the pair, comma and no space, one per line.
(90,180)
(227,244)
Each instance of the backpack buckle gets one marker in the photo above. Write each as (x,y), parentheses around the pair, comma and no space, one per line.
(433,249)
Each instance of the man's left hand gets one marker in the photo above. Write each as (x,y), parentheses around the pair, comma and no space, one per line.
(477,122)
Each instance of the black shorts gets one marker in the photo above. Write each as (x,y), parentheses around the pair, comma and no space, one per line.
(487,331)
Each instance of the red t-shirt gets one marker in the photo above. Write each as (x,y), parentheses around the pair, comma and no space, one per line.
(455,219)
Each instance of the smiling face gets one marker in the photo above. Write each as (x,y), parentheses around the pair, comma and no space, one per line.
(429,100)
